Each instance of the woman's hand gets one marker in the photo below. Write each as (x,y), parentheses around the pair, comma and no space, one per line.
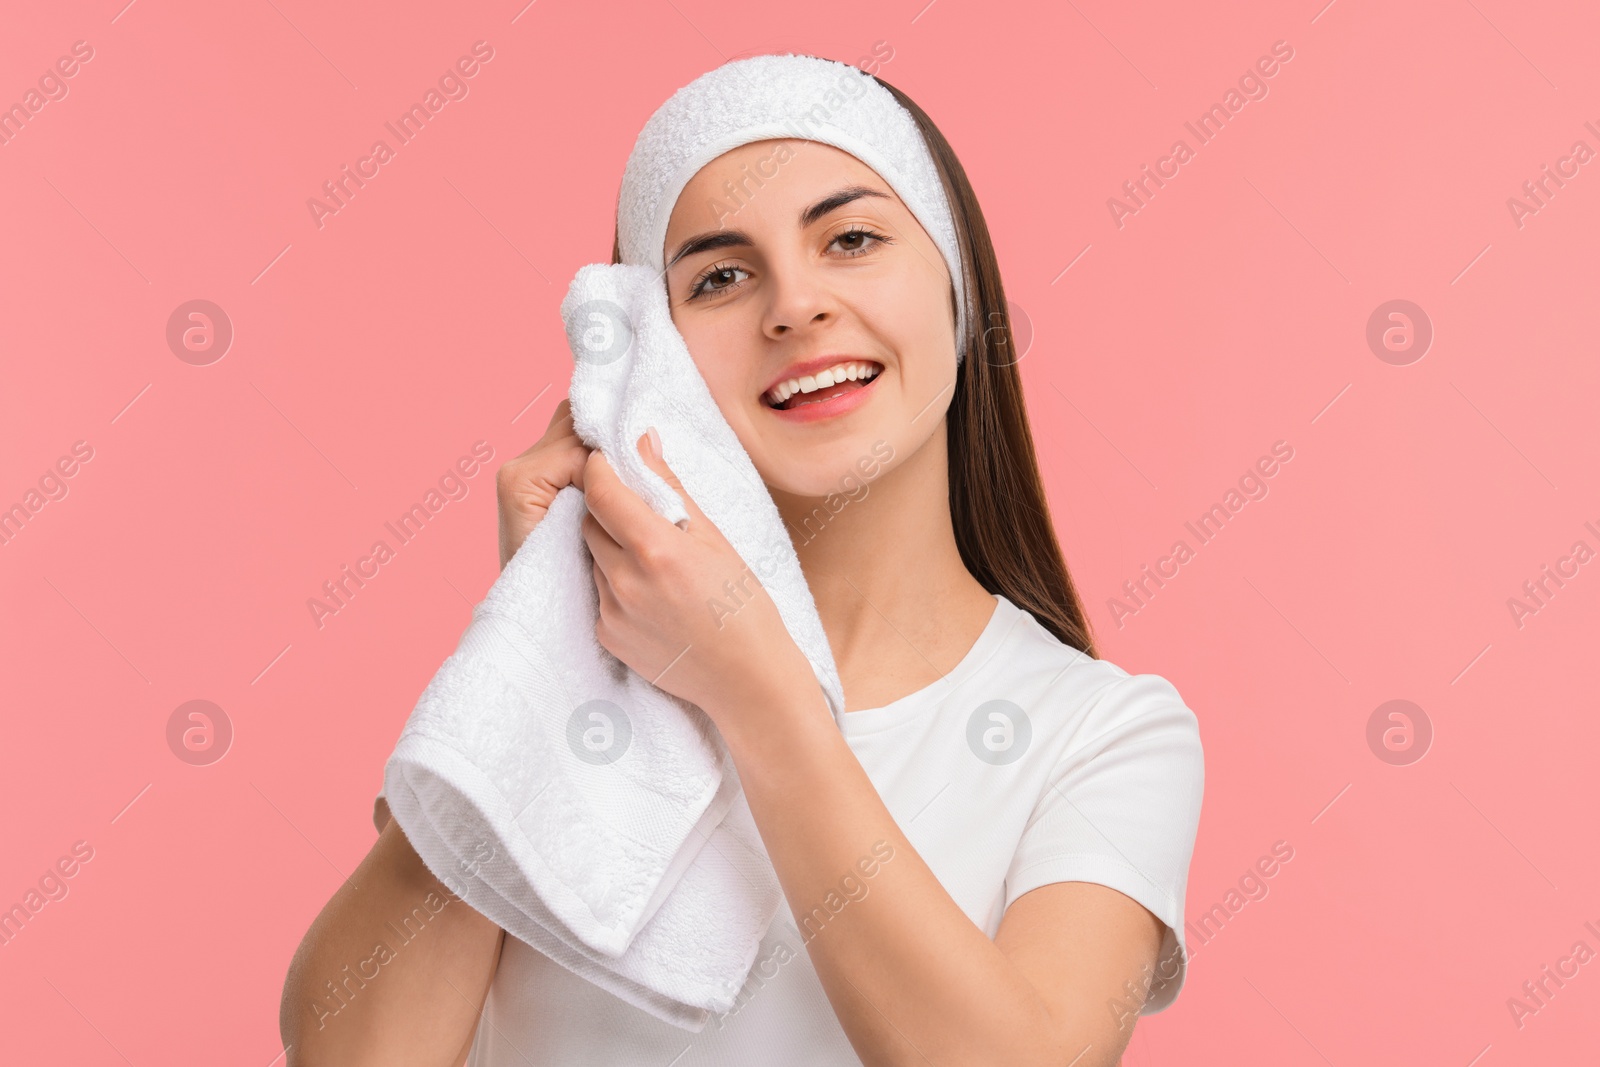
(681,607)
(527,484)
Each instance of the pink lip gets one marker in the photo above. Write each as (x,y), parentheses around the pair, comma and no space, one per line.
(827,409)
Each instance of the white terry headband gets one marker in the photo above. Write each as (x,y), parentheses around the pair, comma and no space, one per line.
(780,96)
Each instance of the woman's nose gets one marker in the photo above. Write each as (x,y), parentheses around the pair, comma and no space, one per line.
(798,300)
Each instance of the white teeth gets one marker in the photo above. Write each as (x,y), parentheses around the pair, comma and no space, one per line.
(809,383)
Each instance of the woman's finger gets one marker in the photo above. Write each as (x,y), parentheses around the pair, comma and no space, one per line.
(602,546)
(602,585)
(668,475)
(622,512)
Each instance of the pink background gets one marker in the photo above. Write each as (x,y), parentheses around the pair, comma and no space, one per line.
(1229,313)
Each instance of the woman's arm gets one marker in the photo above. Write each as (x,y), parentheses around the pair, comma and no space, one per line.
(911,978)
(392,1002)
(402,992)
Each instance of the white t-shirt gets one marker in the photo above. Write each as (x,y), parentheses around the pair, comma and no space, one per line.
(1027,764)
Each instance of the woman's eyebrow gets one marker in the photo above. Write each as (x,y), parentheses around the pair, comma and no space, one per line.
(715,239)
(834,201)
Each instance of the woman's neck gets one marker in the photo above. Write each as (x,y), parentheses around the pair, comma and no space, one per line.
(898,604)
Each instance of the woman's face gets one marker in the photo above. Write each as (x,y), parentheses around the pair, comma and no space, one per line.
(793,257)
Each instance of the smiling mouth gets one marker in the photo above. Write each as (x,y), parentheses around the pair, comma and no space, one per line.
(814,389)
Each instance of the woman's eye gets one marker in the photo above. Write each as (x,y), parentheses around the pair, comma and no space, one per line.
(720,279)
(704,285)
(854,240)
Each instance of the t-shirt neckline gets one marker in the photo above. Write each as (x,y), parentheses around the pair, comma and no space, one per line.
(994,633)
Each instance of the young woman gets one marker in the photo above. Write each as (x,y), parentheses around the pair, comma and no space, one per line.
(986,864)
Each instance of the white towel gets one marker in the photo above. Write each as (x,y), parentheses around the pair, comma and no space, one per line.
(555,790)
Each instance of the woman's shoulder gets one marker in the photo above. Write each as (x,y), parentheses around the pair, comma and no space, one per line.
(1068,682)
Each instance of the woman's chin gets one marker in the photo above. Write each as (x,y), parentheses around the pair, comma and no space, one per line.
(828,476)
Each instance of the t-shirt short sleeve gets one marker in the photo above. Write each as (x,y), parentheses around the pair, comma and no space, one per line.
(1121,809)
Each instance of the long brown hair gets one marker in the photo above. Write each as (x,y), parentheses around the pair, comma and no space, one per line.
(998,507)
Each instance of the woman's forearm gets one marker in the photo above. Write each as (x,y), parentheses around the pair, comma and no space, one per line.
(393,971)
(911,978)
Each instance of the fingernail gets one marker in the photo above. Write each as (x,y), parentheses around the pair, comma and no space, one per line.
(655,441)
